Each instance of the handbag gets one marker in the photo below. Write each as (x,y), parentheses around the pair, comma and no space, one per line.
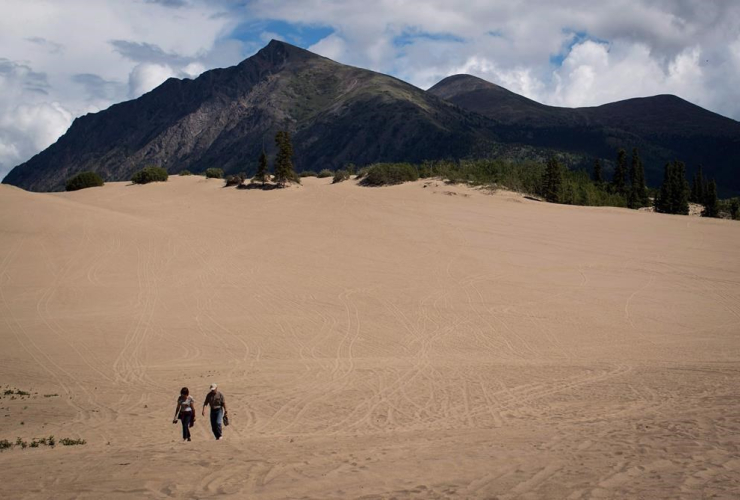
(226,419)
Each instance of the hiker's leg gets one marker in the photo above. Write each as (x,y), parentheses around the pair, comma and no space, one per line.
(214,423)
(185,419)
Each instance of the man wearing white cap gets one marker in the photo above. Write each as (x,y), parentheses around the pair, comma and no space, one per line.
(218,410)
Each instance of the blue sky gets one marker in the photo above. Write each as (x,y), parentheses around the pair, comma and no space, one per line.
(60,60)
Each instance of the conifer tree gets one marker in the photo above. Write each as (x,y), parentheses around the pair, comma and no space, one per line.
(638,196)
(598,175)
(735,208)
(553,181)
(673,197)
(711,204)
(699,187)
(620,171)
(283,160)
(261,175)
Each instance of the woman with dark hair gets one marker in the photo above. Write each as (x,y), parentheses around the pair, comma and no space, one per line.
(185,413)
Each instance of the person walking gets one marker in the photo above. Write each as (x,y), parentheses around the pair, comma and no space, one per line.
(218,409)
(185,412)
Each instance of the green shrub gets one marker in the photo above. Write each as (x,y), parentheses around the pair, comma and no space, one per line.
(362,172)
(340,175)
(214,173)
(150,174)
(84,180)
(386,174)
(325,173)
(5,444)
(234,180)
(309,173)
(185,172)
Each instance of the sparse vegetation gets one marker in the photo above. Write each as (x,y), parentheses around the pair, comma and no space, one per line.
(214,173)
(325,173)
(84,180)
(185,172)
(5,444)
(150,174)
(234,180)
(72,442)
(309,173)
(340,175)
(16,392)
(387,174)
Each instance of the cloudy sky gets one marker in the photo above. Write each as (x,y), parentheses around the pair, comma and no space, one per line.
(60,59)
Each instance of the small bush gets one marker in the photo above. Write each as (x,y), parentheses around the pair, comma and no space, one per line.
(5,444)
(84,180)
(185,172)
(309,173)
(325,173)
(150,174)
(340,175)
(362,172)
(387,174)
(234,180)
(214,173)
(72,442)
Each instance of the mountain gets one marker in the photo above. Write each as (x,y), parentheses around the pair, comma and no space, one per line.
(336,113)
(663,127)
(339,114)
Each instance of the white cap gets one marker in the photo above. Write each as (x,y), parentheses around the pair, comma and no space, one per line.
(213,386)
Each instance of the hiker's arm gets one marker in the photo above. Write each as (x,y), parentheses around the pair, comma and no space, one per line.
(177,411)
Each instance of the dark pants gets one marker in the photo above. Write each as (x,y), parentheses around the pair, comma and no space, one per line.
(185,418)
(216,420)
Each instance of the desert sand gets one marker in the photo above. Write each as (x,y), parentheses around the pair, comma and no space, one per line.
(416,341)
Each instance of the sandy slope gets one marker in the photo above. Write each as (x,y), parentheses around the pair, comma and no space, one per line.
(419,341)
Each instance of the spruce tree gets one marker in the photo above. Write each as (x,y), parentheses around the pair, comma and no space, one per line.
(553,181)
(681,190)
(735,208)
(598,175)
(699,187)
(283,160)
(711,204)
(673,197)
(638,196)
(261,175)
(620,171)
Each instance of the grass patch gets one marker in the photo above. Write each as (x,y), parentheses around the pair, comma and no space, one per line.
(325,173)
(309,173)
(185,172)
(72,442)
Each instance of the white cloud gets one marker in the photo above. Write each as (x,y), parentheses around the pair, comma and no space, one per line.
(146,76)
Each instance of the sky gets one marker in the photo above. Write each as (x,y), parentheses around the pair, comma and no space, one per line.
(60,59)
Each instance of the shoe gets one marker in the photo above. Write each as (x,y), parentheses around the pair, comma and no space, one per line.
(188,439)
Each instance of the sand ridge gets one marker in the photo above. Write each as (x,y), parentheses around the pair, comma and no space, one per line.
(416,341)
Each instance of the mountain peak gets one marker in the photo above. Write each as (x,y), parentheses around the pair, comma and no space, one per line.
(278,52)
(455,84)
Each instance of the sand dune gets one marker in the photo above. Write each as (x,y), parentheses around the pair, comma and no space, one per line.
(418,341)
